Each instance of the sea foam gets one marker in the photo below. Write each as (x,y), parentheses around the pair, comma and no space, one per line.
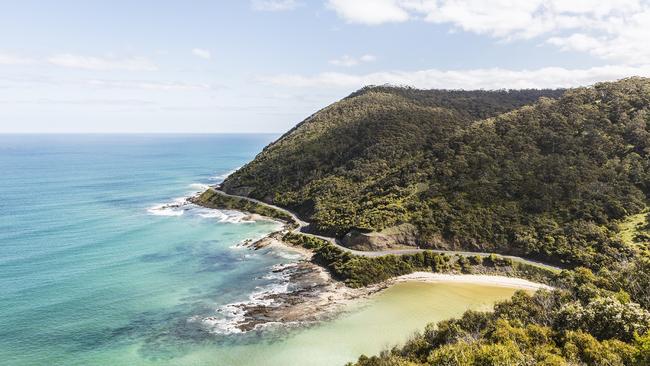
(198,187)
(231,316)
(221,177)
(229,216)
(175,208)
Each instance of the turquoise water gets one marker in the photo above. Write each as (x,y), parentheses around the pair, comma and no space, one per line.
(89,269)
(100,266)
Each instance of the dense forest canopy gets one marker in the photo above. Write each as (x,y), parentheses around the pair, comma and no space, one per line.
(548,174)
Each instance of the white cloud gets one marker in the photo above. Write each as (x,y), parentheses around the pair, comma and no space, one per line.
(83,102)
(148,85)
(8,59)
(577,41)
(16,81)
(349,61)
(370,12)
(102,64)
(493,78)
(202,53)
(609,29)
(274,5)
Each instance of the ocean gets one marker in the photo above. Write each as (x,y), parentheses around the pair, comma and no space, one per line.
(99,266)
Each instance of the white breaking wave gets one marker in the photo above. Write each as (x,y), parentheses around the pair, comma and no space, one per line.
(164,210)
(231,316)
(221,177)
(229,216)
(198,187)
(180,206)
(175,208)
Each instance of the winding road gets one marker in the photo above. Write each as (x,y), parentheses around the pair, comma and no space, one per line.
(303,224)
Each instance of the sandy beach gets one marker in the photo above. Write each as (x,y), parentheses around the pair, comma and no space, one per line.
(491,280)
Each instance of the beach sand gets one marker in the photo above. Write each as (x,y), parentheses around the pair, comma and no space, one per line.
(501,281)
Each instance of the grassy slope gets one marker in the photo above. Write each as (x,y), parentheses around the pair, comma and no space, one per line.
(631,227)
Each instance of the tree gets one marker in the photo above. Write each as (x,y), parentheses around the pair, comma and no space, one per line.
(606,318)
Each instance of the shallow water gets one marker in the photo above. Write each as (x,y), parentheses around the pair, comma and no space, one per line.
(378,323)
(96,268)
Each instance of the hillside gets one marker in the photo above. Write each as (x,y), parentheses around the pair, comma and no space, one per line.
(539,173)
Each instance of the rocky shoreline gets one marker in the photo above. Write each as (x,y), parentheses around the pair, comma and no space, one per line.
(311,295)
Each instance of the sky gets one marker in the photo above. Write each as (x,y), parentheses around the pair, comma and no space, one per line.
(172,66)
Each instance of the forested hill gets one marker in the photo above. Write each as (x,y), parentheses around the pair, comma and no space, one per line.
(547,174)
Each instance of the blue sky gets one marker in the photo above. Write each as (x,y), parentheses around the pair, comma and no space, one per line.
(264,65)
